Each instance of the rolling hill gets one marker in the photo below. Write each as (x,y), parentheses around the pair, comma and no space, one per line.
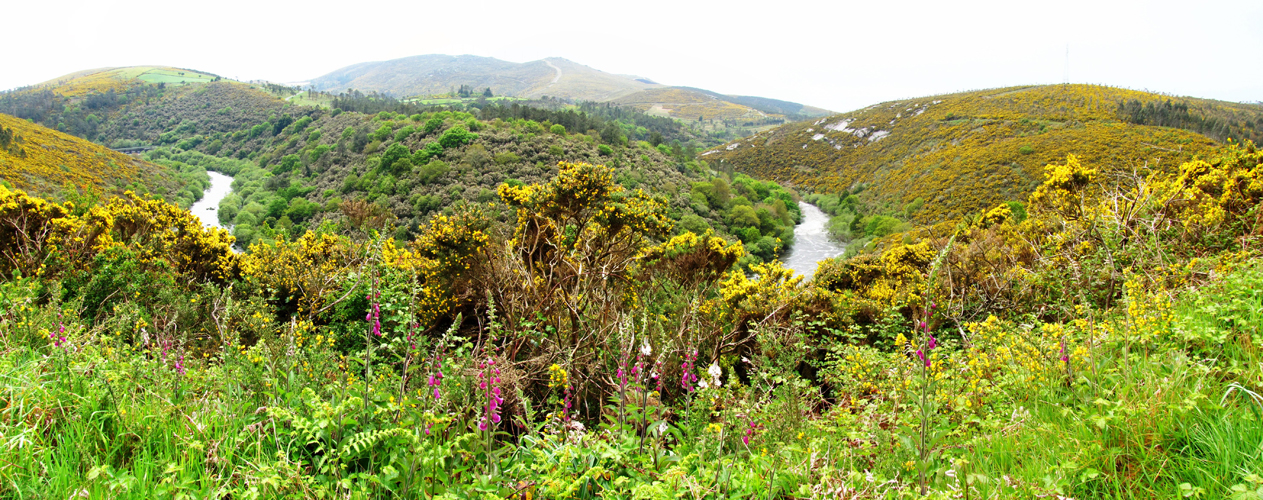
(104,79)
(436,74)
(961,153)
(553,77)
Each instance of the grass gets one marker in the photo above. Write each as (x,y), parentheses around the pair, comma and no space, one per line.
(458,100)
(173,76)
(109,419)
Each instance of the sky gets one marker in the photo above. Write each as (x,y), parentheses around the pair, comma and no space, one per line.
(839,55)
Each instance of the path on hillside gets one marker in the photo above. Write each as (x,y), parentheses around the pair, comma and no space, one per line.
(555,78)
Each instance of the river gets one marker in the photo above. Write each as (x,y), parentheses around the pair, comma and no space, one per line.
(811,242)
(204,209)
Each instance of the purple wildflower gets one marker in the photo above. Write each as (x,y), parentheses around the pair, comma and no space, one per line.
(751,429)
(59,338)
(688,378)
(374,315)
(490,383)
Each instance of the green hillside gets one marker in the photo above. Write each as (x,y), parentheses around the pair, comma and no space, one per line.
(961,153)
(299,166)
(435,75)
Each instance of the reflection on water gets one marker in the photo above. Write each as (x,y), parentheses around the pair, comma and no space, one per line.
(811,242)
(204,209)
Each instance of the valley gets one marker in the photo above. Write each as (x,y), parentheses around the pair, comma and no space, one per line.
(462,277)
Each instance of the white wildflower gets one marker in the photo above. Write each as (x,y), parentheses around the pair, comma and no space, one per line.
(645,349)
(714,372)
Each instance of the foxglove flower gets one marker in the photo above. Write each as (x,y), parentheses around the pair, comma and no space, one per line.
(688,378)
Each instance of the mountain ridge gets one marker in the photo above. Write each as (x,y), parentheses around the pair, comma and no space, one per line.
(434,74)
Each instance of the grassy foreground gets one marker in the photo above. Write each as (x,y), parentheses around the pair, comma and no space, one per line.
(478,363)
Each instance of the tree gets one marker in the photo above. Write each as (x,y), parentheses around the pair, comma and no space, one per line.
(487,93)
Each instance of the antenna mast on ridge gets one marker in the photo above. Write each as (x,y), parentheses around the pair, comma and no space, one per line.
(1067,73)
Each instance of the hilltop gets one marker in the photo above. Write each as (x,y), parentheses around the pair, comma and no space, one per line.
(947,156)
(118,78)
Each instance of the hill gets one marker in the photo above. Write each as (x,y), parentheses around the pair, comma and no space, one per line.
(436,74)
(554,77)
(961,153)
(688,103)
(105,79)
(298,166)
(42,161)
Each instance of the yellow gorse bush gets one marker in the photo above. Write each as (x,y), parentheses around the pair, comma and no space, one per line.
(38,234)
(51,160)
(961,153)
(692,258)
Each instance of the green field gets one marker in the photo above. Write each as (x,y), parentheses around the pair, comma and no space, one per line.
(172,76)
(319,100)
(458,100)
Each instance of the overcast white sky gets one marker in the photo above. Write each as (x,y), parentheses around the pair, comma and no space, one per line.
(839,55)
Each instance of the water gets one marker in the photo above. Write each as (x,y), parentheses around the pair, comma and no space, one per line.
(811,242)
(205,209)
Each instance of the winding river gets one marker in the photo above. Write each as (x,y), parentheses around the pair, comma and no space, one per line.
(811,237)
(811,242)
(204,209)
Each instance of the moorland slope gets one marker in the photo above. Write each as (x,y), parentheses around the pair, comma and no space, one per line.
(43,162)
(962,153)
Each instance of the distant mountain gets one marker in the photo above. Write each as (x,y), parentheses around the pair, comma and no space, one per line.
(555,77)
(961,153)
(439,74)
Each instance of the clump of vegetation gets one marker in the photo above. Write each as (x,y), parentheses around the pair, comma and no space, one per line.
(966,152)
(1105,345)
(45,161)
